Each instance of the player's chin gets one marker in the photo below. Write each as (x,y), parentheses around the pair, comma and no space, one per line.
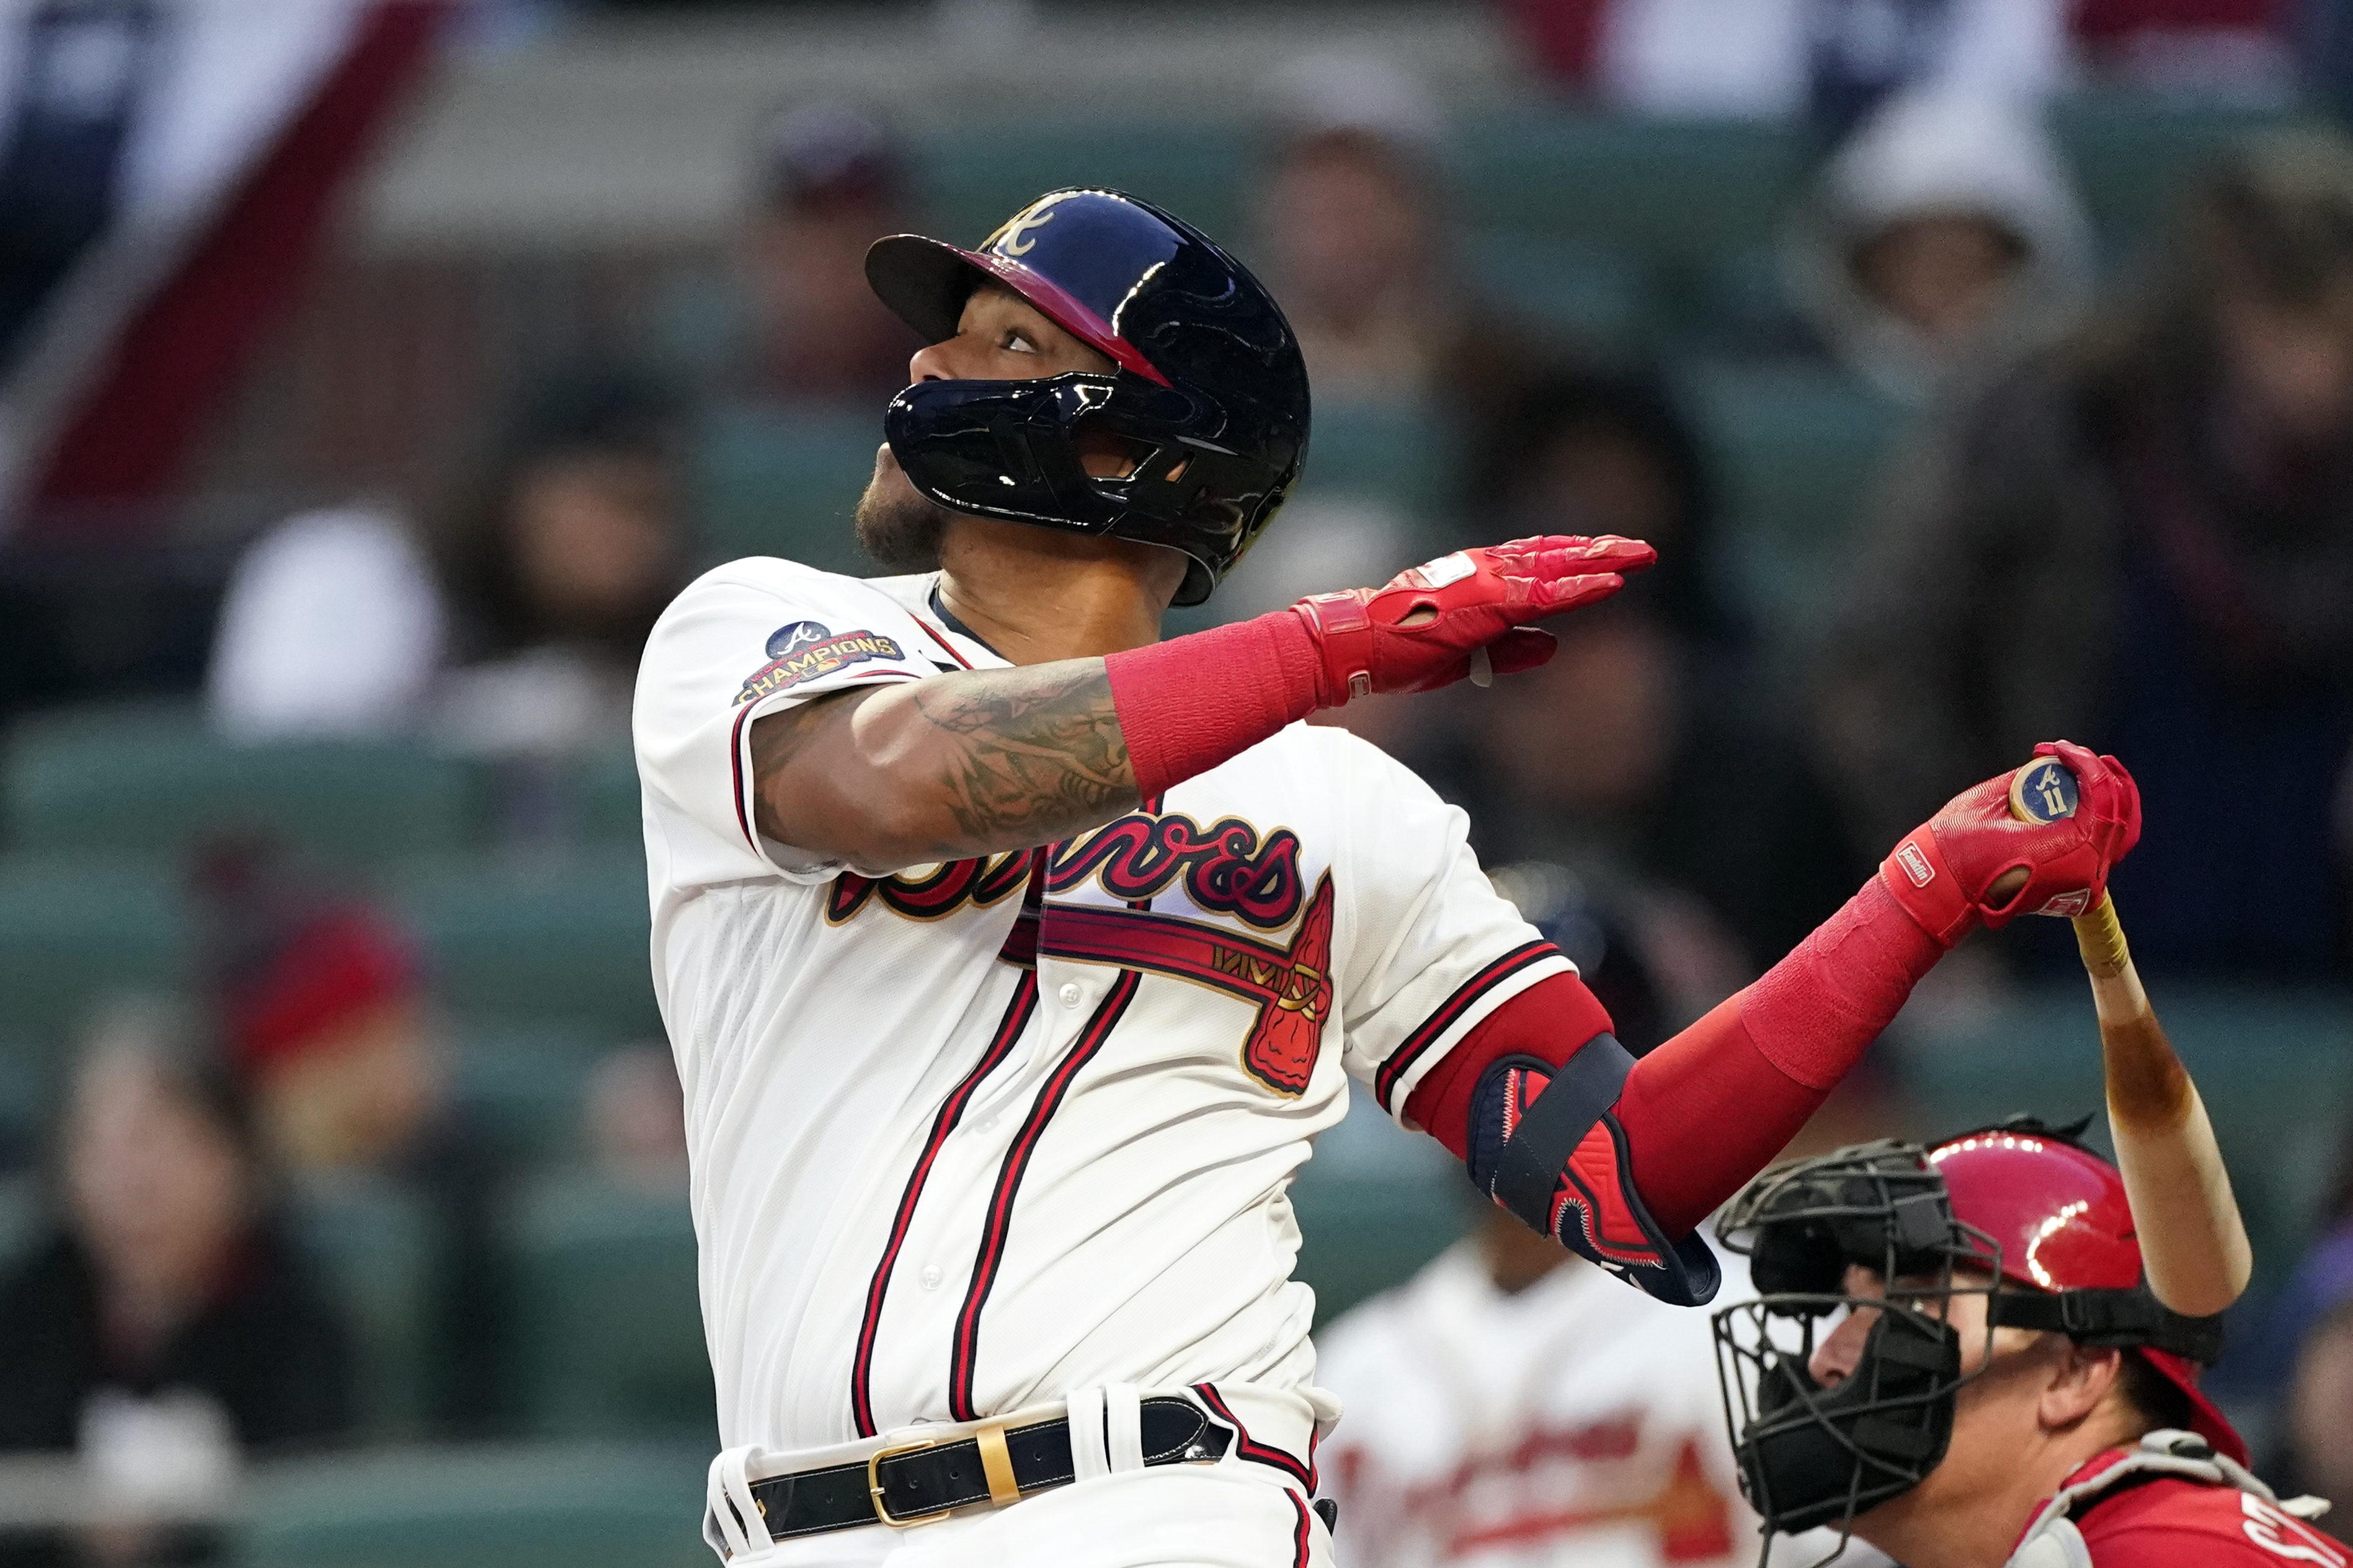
(897,526)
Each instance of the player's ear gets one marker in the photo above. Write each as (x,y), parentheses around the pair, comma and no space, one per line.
(2081,1379)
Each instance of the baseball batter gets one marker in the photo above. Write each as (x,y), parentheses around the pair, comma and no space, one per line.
(1014,957)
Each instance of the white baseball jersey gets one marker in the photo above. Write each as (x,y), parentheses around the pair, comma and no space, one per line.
(1577,1422)
(967,1136)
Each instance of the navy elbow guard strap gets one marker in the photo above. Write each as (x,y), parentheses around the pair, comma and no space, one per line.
(1544,1145)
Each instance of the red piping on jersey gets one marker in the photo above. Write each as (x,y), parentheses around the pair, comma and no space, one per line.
(940,637)
(1298,1534)
(1250,1447)
(965,1352)
(1385,1081)
(735,766)
(735,752)
(1008,1030)
(1020,948)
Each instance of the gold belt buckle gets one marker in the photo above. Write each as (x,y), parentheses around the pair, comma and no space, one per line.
(874,1487)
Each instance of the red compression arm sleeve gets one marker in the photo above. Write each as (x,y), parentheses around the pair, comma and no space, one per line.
(1191,703)
(1711,1107)
(1549,1021)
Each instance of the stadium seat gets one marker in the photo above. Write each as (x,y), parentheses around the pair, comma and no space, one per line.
(373,1244)
(609,1324)
(773,481)
(560,944)
(972,181)
(152,779)
(23,1217)
(605,803)
(1401,456)
(1585,294)
(560,1506)
(1675,192)
(77,929)
(2134,157)
(1796,449)
(524,1086)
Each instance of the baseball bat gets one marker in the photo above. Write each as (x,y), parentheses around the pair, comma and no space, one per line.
(2193,1245)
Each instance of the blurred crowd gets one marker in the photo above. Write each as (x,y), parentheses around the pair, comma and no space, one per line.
(164,1316)
(2120,510)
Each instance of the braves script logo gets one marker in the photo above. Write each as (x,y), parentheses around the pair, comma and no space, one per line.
(927,894)
(1226,868)
(803,651)
(1915,865)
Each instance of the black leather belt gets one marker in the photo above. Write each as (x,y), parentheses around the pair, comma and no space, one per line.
(914,1482)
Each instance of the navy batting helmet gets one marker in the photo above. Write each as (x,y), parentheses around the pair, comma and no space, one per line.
(1209,391)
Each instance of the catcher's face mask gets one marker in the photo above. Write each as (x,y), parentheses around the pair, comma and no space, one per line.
(1815,1453)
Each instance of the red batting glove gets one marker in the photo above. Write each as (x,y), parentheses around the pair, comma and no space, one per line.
(1943,871)
(1419,632)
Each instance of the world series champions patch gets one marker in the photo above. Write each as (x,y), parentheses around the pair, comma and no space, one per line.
(803,651)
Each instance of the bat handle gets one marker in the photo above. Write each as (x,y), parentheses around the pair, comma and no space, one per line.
(2100,937)
(2117,989)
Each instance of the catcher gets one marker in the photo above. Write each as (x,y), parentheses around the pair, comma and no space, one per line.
(1953,1355)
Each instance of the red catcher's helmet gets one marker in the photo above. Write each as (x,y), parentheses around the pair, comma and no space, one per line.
(2063,1223)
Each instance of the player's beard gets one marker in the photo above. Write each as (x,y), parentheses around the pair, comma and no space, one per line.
(896,524)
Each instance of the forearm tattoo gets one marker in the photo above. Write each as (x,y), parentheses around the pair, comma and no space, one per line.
(1005,758)
(1036,754)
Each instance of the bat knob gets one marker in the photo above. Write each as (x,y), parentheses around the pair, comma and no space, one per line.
(2043,791)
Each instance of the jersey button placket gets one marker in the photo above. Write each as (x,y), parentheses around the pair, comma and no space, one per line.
(1070,994)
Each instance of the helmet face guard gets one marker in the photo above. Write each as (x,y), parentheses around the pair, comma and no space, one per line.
(1009,449)
(1812,1455)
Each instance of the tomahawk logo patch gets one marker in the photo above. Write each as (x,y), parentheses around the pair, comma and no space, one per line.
(794,636)
(804,651)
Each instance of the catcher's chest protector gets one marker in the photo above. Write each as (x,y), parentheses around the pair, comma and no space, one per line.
(2052,1541)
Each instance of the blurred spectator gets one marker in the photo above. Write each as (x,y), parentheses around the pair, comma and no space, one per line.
(1351,217)
(321,1009)
(2325,47)
(1513,1403)
(636,1119)
(513,628)
(1941,240)
(1648,756)
(1831,60)
(2144,540)
(1862,52)
(2301,1355)
(788,320)
(1585,452)
(2213,49)
(2318,1424)
(832,181)
(168,1324)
